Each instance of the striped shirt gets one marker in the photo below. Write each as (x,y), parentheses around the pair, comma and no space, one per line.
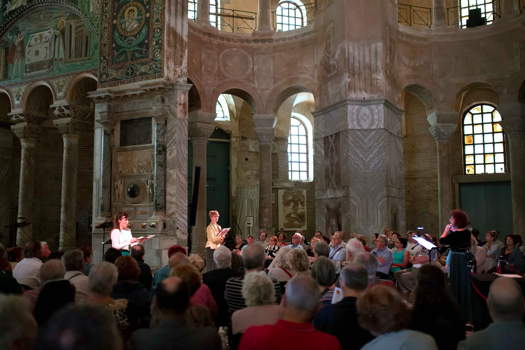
(233,294)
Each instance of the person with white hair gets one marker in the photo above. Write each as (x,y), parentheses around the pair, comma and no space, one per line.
(506,307)
(259,294)
(297,240)
(279,270)
(74,264)
(216,281)
(19,328)
(294,330)
(337,248)
(354,247)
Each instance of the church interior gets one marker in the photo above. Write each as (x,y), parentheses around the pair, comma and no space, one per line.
(283,115)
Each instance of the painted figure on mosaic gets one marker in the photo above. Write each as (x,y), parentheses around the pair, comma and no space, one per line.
(59,35)
(16,55)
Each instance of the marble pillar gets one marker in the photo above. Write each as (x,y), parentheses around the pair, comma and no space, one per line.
(264,16)
(514,126)
(70,130)
(361,181)
(264,128)
(177,161)
(203,12)
(439,14)
(281,144)
(28,133)
(199,133)
(442,133)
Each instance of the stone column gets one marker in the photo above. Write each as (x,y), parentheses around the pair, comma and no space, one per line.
(362,189)
(282,158)
(514,127)
(28,134)
(199,133)
(177,161)
(264,127)
(509,8)
(70,130)
(203,12)
(439,14)
(264,17)
(442,133)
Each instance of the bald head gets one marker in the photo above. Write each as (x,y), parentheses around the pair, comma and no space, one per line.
(506,300)
(52,270)
(178,259)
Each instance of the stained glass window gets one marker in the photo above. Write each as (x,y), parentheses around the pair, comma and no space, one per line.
(290,15)
(483,140)
(299,153)
(486,6)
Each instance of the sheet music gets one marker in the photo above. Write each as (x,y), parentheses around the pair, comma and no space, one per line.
(424,243)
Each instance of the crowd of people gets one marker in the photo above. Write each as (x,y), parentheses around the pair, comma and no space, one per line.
(267,293)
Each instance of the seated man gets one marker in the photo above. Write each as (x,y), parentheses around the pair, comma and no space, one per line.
(506,307)
(340,319)
(383,256)
(74,264)
(297,238)
(172,300)
(294,330)
(27,270)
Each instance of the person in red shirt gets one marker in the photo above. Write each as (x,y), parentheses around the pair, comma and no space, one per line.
(294,330)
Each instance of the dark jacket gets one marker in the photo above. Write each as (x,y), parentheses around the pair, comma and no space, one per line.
(175,334)
(139,301)
(216,281)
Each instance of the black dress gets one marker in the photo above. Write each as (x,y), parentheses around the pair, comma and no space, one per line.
(459,273)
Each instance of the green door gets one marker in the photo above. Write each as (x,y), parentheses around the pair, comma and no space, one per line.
(489,206)
(218,179)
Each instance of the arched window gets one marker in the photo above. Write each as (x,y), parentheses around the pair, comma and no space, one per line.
(300,155)
(222,112)
(483,141)
(192,9)
(290,15)
(487,8)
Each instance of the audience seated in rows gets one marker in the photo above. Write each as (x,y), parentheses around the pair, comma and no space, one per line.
(506,307)
(128,287)
(323,272)
(253,260)
(435,311)
(279,270)
(216,281)
(294,330)
(145,277)
(17,324)
(74,265)
(26,271)
(171,302)
(340,319)
(259,295)
(203,308)
(81,327)
(384,313)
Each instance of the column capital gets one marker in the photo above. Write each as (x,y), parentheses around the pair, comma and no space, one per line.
(442,131)
(21,117)
(69,126)
(201,130)
(63,109)
(26,130)
(264,127)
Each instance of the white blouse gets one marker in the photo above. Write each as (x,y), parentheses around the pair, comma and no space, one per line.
(121,239)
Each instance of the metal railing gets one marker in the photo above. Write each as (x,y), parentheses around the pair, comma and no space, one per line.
(411,15)
(236,21)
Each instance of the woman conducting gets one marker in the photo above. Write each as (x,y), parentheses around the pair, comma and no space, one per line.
(457,236)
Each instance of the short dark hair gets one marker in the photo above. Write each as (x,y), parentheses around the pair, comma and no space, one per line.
(73,260)
(81,327)
(403,241)
(32,249)
(323,271)
(137,251)
(128,268)
(111,255)
(460,218)
(322,248)
(176,301)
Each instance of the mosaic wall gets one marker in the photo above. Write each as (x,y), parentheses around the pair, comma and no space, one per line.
(132,34)
(47,38)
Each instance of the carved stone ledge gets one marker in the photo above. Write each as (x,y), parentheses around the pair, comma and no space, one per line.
(442,132)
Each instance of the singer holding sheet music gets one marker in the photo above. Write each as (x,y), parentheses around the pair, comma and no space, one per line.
(121,237)
(215,237)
